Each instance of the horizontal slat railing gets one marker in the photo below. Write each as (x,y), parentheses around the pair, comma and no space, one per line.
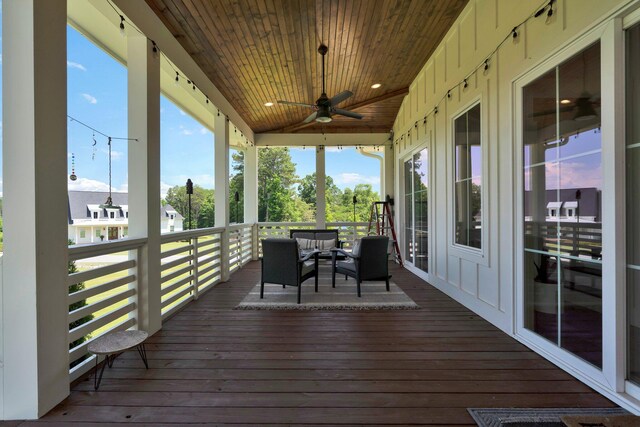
(240,245)
(102,296)
(191,264)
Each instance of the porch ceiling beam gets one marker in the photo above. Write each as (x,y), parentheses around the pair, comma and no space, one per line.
(315,139)
(353,107)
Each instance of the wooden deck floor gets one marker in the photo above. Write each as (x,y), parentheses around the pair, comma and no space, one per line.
(213,365)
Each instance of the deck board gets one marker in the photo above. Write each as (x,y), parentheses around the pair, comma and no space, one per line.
(215,365)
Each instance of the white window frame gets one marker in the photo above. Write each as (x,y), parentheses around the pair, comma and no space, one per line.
(408,155)
(475,255)
(611,357)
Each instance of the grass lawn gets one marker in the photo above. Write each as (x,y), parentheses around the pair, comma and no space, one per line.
(87,265)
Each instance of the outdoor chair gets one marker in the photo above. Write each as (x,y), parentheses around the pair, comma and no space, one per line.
(369,260)
(282,264)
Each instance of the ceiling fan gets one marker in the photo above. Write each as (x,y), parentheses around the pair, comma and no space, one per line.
(325,106)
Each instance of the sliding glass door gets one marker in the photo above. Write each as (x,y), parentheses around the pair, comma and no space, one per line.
(562,206)
(416,206)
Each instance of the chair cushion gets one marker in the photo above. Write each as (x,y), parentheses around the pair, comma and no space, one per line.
(306,243)
(356,247)
(347,265)
(325,245)
(308,267)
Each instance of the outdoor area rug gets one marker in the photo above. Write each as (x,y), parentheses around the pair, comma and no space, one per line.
(543,417)
(343,297)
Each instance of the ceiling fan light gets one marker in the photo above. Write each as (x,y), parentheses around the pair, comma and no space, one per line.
(323,116)
(585,110)
(268,104)
(375,85)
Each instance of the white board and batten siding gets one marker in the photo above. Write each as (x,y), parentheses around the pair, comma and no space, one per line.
(487,281)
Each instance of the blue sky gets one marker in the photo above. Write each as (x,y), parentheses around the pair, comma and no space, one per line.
(97,96)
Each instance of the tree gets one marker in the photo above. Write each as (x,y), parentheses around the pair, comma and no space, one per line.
(236,184)
(178,198)
(276,177)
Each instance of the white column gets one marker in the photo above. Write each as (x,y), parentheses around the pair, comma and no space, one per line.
(251,195)
(144,175)
(35,363)
(251,185)
(221,153)
(387,185)
(321,202)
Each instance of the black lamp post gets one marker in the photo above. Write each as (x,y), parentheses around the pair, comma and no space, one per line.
(189,193)
(355,200)
(236,197)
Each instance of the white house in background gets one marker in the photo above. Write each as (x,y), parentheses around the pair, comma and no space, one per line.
(89,223)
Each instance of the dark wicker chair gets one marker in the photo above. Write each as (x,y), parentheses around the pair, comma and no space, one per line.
(368,261)
(282,264)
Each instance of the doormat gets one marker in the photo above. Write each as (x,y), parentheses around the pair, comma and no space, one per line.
(530,417)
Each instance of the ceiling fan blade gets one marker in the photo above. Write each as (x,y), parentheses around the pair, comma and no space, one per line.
(340,97)
(311,118)
(299,104)
(347,113)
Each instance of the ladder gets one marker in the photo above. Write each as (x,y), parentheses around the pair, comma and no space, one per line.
(383,220)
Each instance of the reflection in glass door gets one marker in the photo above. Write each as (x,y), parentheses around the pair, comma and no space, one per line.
(416,197)
(633,201)
(562,206)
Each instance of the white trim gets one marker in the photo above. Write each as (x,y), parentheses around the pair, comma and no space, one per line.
(476,255)
(568,361)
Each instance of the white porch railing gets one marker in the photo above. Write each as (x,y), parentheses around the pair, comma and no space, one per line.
(191,264)
(348,232)
(241,239)
(108,272)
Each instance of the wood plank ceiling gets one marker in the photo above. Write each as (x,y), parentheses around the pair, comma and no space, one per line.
(258,51)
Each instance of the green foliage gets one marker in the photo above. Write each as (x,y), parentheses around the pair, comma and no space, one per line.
(202,205)
(236,184)
(72,268)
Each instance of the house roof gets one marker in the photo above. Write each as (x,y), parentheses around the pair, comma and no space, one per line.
(81,203)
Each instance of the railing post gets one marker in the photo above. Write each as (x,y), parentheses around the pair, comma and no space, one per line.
(254,241)
(195,266)
(224,255)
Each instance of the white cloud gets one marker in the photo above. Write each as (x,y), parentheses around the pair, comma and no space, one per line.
(90,99)
(76,65)
(182,113)
(204,131)
(164,188)
(86,184)
(186,132)
(356,178)
(115,155)
(332,149)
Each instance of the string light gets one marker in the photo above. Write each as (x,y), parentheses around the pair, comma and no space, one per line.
(547,6)
(177,78)
(122,25)
(155,48)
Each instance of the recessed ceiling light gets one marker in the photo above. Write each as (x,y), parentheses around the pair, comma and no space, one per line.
(268,104)
(375,86)
(565,101)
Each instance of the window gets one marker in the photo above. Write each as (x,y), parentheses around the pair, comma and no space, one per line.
(172,228)
(95,215)
(83,234)
(127,214)
(468,179)
(98,233)
(633,202)
(125,231)
(416,186)
(112,214)
(563,170)
(171,216)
